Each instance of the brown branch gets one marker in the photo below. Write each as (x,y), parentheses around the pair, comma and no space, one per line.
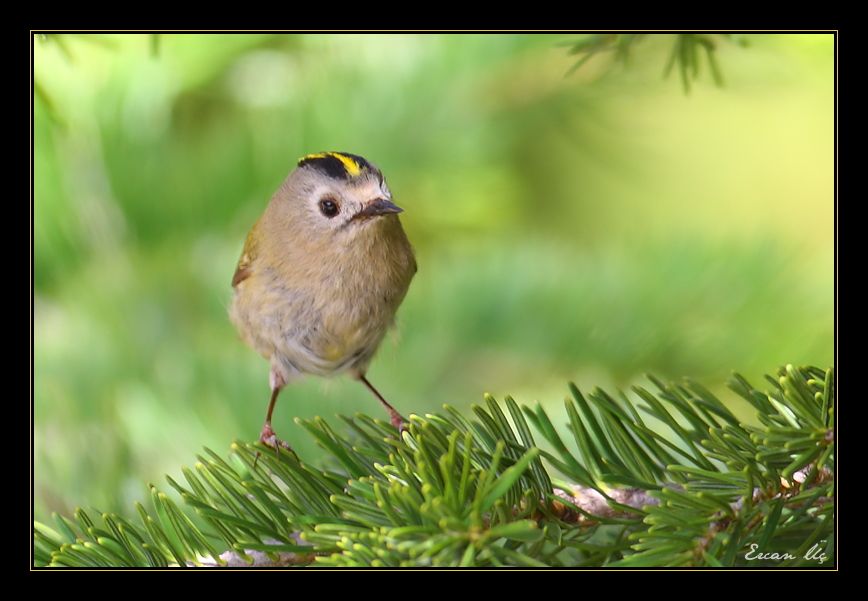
(258,559)
(592,504)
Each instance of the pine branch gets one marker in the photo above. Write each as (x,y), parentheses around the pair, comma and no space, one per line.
(687,52)
(695,486)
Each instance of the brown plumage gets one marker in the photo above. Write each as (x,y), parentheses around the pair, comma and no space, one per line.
(322,274)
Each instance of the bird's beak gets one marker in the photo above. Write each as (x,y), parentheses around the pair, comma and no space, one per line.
(378,206)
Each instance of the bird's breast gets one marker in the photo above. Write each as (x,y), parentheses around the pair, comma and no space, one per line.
(331,311)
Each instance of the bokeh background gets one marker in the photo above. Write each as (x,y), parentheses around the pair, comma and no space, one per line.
(589,227)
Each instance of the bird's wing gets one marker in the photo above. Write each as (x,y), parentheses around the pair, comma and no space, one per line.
(243,270)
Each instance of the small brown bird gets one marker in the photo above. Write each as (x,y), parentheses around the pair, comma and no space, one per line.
(322,273)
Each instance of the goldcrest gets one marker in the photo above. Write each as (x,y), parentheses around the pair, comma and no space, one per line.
(322,274)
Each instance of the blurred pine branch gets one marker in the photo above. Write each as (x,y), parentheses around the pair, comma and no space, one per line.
(695,487)
(687,52)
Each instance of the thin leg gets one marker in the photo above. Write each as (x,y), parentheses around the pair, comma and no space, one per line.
(396,419)
(267,436)
(274,392)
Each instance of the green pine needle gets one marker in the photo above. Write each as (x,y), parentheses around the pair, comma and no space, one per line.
(459,491)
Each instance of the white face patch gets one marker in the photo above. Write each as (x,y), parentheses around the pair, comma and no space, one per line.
(323,190)
(384,190)
(371,189)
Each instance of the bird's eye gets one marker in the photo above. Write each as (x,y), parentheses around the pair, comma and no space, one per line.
(328,207)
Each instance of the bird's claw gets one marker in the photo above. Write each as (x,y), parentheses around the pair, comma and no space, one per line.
(399,423)
(270,439)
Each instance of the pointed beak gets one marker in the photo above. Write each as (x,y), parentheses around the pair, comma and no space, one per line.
(378,206)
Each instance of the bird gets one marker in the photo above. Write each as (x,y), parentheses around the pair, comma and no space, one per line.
(321,276)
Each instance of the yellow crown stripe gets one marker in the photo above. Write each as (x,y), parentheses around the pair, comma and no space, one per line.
(316,155)
(350,165)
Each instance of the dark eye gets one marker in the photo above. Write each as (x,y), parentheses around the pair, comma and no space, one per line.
(328,207)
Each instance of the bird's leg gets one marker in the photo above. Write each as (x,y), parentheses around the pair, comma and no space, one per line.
(267,436)
(399,422)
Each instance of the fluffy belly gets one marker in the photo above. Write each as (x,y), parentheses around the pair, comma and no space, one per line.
(301,337)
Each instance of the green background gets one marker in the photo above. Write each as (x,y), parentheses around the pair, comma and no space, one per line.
(591,227)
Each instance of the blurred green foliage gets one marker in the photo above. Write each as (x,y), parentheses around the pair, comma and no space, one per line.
(584,228)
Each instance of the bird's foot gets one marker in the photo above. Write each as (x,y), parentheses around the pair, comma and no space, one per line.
(270,439)
(398,422)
